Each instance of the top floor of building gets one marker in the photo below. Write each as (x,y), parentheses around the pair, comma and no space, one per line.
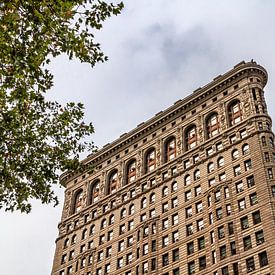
(169,136)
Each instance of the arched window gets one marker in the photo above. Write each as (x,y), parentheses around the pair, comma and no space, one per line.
(170,149)
(220,162)
(66,243)
(245,149)
(131,171)
(187,180)
(191,137)
(212,125)
(174,186)
(234,112)
(165,191)
(235,154)
(131,209)
(152,198)
(92,230)
(123,213)
(84,234)
(111,219)
(150,160)
(112,182)
(197,174)
(143,203)
(73,241)
(94,196)
(210,167)
(78,201)
(103,224)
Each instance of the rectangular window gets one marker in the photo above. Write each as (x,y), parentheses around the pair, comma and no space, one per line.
(165,223)
(270,173)
(230,228)
(165,259)
(191,268)
(153,264)
(175,236)
(199,207)
(186,164)
(211,182)
(223,252)
(225,270)
(256,216)
(239,187)
(220,232)
(214,257)
(233,248)
(233,138)
(165,207)
(247,243)
(190,248)
(189,229)
(219,213)
(253,199)
(175,254)
(266,157)
(250,181)
(202,263)
(263,259)
(222,177)
(259,235)
(200,224)
(273,191)
(188,195)
(175,219)
(250,265)
(228,209)
(197,190)
(237,170)
(241,204)
(201,243)
(244,222)
(174,202)
(165,241)
(209,152)
(248,165)
(219,146)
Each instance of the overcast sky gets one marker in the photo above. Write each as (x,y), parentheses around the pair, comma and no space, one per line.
(160,51)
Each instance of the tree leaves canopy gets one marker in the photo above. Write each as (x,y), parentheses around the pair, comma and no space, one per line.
(39,138)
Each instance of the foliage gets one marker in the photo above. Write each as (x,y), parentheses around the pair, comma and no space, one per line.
(38,138)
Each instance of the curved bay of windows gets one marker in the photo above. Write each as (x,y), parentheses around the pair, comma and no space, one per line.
(112,185)
(150,160)
(131,171)
(170,149)
(78,201)
(212,125)
(234,112)
(191,137)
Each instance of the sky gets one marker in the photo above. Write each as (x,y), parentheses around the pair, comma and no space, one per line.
(159,51)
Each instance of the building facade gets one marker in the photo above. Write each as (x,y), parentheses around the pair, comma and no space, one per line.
(190,191)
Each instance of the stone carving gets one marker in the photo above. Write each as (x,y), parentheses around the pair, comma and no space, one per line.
(246,103)
(139,158)
(200,129)
(179,140)
(67,203)
(221,116)
(158,151)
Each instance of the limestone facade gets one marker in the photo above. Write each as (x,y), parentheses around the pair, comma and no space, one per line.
(190,191)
